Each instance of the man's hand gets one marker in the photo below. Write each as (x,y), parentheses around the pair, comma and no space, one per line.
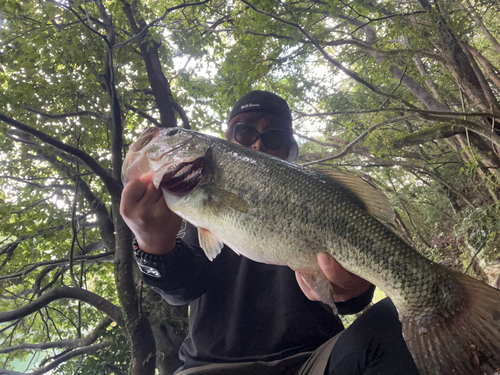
(145,212)
(345,285)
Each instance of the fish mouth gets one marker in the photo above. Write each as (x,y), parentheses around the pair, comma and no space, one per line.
(183,177)
(136,163)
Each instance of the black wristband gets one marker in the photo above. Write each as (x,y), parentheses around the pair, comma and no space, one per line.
(152,264)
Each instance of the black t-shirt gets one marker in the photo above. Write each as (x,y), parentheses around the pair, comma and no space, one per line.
(241,310)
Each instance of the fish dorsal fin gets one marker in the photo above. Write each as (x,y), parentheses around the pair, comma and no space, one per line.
(219,199)
(375,201)
(210,244)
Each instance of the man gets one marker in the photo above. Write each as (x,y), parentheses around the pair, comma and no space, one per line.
(253,318)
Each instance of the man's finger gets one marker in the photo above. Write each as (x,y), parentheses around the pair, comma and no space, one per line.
(152,194)
(344,282)
(133,191)
(337,274)
(331,268)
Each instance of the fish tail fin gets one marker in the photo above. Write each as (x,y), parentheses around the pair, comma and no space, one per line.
(463,341)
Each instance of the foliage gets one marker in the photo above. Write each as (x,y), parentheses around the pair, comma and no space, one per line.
(402,93)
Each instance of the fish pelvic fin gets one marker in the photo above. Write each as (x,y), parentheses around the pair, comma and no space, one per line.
(463,341)
(210,244)
(374,200)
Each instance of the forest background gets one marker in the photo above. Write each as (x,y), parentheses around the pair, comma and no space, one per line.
(402,93)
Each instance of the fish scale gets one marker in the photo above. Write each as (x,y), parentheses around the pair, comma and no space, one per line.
(275,212)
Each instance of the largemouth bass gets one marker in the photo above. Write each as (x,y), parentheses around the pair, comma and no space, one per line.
(276,212)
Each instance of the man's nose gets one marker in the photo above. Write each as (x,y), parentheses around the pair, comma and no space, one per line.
(259,146)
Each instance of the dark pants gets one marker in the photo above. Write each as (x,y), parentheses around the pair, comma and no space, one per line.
(373,344)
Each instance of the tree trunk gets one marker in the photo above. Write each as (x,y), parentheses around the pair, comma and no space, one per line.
(137,325)
(169,325)
(149,50)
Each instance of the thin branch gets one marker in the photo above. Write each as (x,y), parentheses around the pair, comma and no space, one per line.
(441,131)
(67,344)
(474,257)
(66,357)
(348,148)
(389,17)
(58,3)
(145,29)
(95,300)
(316,141)
(49,178)
(104,257)
(114,187)
(401,109)
(10,325)
(66,115)
(143,114)
(327,57)
(38,186)
(75,235)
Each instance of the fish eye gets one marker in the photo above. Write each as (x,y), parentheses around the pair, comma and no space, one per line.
(172,131)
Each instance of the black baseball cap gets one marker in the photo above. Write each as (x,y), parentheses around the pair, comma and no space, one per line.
(265,101)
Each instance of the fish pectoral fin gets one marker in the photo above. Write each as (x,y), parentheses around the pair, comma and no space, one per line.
(210,244)
(374,200)
(220,199)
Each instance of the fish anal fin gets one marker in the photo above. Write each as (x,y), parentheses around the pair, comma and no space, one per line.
(220,199)
(374,200)
(465,340)
(210,244)
(318,282)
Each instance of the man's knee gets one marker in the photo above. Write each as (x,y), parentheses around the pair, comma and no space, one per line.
(373,344)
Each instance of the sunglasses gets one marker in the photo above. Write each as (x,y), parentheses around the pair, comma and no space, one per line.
(247,135)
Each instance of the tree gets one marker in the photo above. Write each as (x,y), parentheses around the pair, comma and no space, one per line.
(405,95)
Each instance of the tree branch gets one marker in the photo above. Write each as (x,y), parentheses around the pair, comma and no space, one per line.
(348,148)
(104,221)
(182,113)
(114,187)
(100,303)
(66,115)
(402,109)
(143,114)
(442,131)
(66,344)
(327,57)
(62,359)
(104,257)
(316,141)
(142,33)
(487,66)
(489,134)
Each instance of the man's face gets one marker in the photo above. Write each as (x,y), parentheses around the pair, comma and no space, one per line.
(262,126)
